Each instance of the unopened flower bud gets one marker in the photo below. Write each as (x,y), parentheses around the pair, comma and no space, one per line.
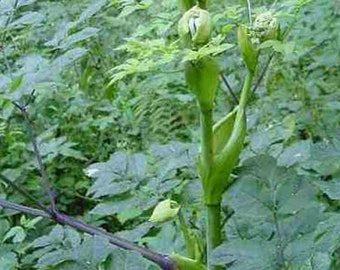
(266,26)
(248,51)
(195,27)
(165,211)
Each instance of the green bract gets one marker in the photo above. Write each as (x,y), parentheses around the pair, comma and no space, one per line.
(226,159)
(194,27)
(223,130)
(202,79)
(165,211)
(266,26)
(249,53)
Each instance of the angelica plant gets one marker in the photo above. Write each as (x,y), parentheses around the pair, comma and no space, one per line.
(221,143)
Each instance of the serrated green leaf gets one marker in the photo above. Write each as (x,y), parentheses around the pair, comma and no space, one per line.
(123,260)
(54,258)
(8,260)
(18,233)
(168,236)
(330,188)
(276,205)
(327,234)
(67,58)
(78,36)
(246,255)
(92,9)
(131,6)
(54,237)
(325,158)
(137,233)
(29,18)
(295,153)
(129,170)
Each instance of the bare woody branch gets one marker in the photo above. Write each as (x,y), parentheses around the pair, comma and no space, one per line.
(165,262)
(44,178)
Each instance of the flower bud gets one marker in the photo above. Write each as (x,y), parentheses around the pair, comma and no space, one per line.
(266,26)
(249,53)
(195,27)
(165,211)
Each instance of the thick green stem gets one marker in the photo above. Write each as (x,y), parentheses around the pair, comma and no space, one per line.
(214,211)
(214,232)
(206,143)
(246,89)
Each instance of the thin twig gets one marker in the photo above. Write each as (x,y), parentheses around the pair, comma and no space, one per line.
(24,193)
(249,12)
(4,36)
(257,84)
(226,83)
(8,21)
(44,178)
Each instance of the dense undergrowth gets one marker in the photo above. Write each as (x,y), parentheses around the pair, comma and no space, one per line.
(118,131)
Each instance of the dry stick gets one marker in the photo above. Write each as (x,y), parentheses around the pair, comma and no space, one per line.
(4,35)
(257,84)
(9,19)
(165,262)
(24,193)
(44,178)
(226,83)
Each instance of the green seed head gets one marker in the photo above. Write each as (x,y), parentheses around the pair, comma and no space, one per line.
(165,211)
(266,26)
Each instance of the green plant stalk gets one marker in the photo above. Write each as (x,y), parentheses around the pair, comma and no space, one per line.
(189,245)
(206,143)
(246,90)
(214,232)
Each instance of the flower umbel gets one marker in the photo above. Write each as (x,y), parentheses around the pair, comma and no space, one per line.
(266,26)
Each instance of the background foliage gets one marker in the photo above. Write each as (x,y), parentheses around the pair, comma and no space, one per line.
(118,132)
